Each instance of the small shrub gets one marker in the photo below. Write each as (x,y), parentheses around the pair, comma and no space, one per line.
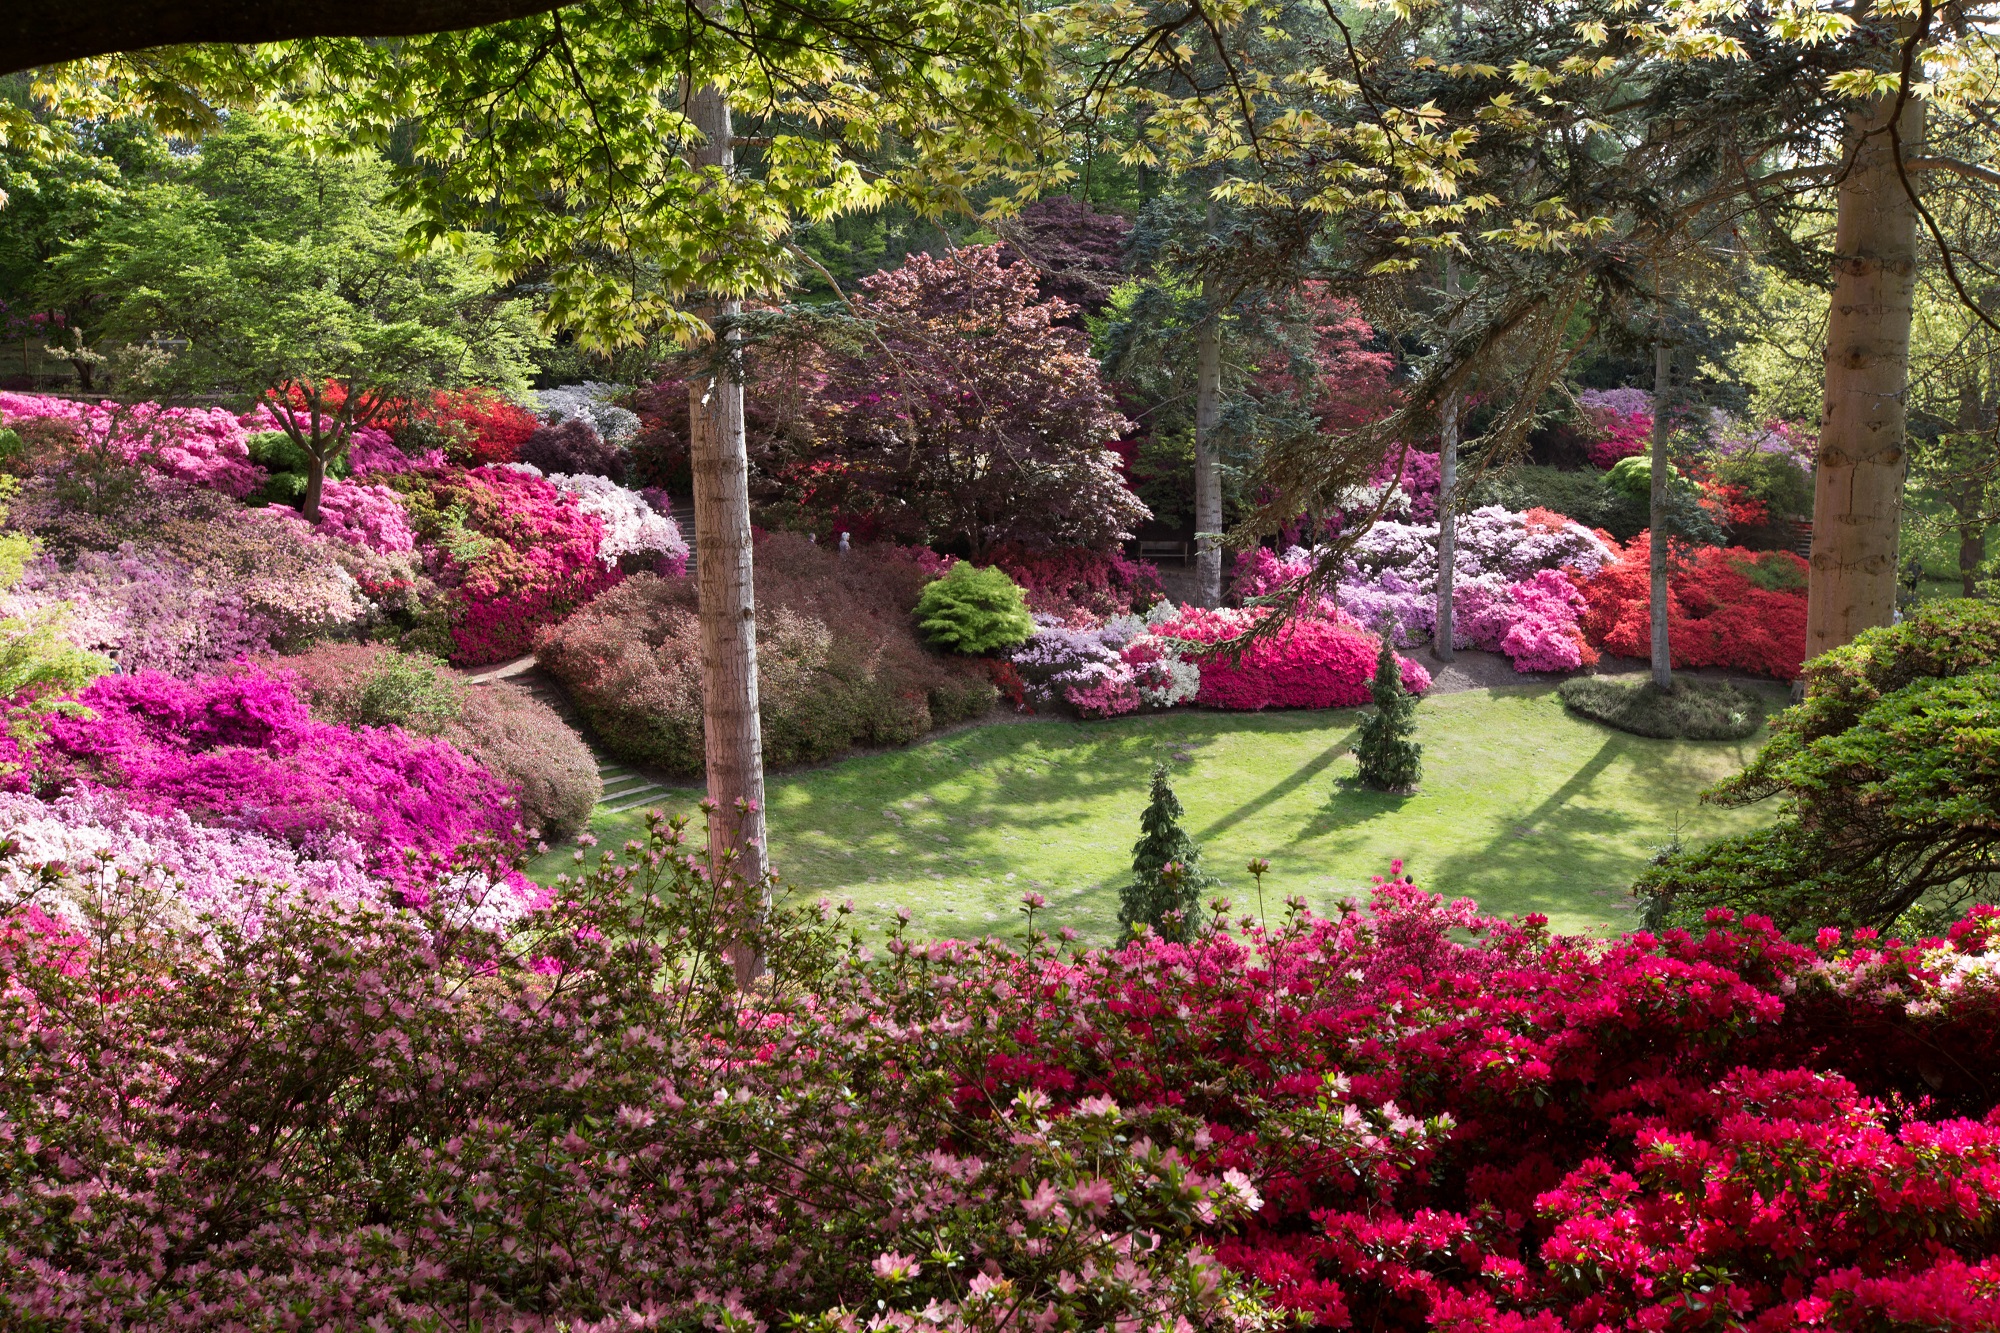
(1389,759)
(974,611)
(1167,878)
(839,664)
(573,446)
(1693,710)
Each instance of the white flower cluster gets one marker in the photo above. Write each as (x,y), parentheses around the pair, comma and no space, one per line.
(590,401)
(631,525)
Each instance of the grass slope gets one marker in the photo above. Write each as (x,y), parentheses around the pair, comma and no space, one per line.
(1523,807)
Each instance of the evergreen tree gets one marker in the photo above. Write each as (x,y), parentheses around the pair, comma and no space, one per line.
(1167,899)
(1390,760)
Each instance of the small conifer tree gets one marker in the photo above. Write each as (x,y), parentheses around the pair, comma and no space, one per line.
(1390,760)
(1167,878)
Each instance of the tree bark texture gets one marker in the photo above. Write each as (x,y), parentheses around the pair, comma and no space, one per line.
(1662,652)
(1207,463)
(732,736)
(33,34)
(1862,459)
(1441,639)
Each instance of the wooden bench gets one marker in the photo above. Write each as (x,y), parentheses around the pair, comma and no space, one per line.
(1158,551)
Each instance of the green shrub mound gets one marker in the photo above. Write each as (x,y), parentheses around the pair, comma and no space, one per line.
(1692,710)
(839,664)
(1888,779)
(1584,495)
(520,739)
(974,611)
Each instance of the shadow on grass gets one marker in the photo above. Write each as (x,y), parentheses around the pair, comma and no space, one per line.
(1298,778)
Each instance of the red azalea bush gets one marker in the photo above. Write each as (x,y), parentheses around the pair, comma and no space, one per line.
(480,426)
(1322,661)
(241,750)
(1068,579)
(1726,607)
(1404,1117)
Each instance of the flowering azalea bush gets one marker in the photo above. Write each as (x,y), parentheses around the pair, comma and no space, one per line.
(1104,668)
(1405,1116)
(365,515)
(241,750)
(1068,579)
(633,525)
(204,446)
(1622,420)
(1726,607)
(1314,661)
(594,404)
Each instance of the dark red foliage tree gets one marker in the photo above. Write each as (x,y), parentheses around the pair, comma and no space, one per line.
(970,417)
(1078,254)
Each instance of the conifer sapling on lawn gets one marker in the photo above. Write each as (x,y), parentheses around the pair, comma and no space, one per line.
(1167,878)
(1390,760)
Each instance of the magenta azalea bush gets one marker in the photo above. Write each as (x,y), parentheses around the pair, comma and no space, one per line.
(1403,1117)
(364,515)
(1323,660)
(240,750)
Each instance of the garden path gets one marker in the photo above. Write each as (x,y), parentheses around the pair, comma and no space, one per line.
(626,787)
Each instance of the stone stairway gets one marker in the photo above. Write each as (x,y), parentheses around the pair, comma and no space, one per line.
(625,787)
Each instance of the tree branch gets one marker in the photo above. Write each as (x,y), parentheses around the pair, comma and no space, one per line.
(49,34)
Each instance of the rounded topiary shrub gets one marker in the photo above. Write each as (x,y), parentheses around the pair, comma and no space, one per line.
(839,664)
(1693,710)
(974,611)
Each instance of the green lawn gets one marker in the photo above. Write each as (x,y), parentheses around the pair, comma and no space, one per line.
(1522,807)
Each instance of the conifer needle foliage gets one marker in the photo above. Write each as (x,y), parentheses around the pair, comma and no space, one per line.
(1167,878)
(1390,760)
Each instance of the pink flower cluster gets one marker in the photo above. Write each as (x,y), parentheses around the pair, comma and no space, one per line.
(1317,661)
(367,516)
(371,452)
(538,562)
(241,751)
(206,446)
(1623,419)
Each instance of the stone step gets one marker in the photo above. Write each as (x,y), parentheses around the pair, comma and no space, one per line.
(653,792)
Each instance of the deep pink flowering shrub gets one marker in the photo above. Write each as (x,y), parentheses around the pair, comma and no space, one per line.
(1623,421)
(206,446)
(1320,661)
(241,751)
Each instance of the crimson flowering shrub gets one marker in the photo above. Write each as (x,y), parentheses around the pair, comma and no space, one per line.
(1068,579)
(1726,607)
(1403,1117)
(241,750)
(1319,661)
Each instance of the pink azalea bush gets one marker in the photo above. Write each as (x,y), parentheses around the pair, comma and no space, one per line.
(204,446)
(536,560)
(367,516)
(240,750)
(1623,421)
(634,524)
(1314,661)
(146,609)
(1403,1117)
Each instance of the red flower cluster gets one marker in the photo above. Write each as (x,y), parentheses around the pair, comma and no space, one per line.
(1536,1134)
(484,427)
(1726,607)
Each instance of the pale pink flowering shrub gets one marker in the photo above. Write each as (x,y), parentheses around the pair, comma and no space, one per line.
(91,833)
(204,446)
(146,609)
(633,526)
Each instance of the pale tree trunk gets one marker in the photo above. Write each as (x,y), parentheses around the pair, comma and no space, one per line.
(1441,639)
(1207,465)
(1663,662)
(1858,488)
(1969,500)
(732,737)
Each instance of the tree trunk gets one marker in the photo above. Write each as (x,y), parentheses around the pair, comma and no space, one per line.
(1441,639)
(1663,661)
(1968,501)
(732,737)
(315,484)
(1207,466)
(1858,491)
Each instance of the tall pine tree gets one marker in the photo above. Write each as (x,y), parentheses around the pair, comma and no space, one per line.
(1390,760)
(1168,901)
